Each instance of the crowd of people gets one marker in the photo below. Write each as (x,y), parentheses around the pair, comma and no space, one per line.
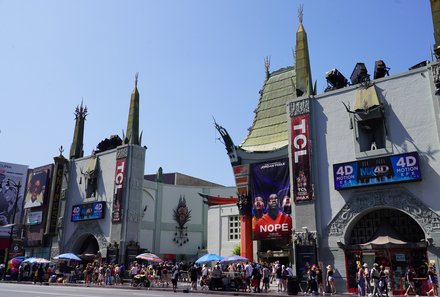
(375,282)
(249,276)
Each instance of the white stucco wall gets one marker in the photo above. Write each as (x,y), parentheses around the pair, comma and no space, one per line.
(412,126)
(104,192)
(218,241)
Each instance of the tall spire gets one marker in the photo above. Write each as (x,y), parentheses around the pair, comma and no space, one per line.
(435,11)
(76,150)
(302,60)
(132,136)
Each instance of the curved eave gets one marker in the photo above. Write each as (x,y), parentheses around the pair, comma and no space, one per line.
(269,130)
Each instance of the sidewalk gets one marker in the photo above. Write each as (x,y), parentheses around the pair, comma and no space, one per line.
(181,287)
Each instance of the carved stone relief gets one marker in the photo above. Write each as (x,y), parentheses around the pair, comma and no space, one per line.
(399,199)
(133,216)
(305,238)
(436,72)
(122,152)
(299,107)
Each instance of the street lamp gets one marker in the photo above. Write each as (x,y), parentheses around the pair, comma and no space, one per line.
(17,186)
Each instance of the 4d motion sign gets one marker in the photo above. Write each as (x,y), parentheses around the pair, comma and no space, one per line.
(383,170)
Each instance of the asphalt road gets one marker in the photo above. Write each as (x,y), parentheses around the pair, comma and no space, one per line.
(30,290)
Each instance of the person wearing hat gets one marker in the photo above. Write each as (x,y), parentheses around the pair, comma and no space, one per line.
(367,279)
(330,279)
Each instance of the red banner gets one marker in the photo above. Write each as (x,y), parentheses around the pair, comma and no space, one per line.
(301,160)
(119,190)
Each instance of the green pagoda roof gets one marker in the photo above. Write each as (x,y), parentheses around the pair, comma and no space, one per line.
(269,130)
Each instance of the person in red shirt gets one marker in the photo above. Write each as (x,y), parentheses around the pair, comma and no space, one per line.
(273,224)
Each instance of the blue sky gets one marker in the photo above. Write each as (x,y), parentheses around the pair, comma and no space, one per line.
(197,59)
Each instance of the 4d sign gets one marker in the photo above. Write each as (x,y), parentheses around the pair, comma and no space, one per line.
(382,170)
(119,190)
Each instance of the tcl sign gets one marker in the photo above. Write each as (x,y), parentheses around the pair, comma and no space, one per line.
(119,190)
(299,141)
(119,179)
(300,158)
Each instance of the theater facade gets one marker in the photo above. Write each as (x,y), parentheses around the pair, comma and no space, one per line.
(362,163)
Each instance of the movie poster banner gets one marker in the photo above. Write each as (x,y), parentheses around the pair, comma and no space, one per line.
(119,190)
(52,220)
(37,186)
(271,204)
(10,201)
(300,158)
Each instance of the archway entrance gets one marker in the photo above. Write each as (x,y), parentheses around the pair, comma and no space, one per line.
(390,238)
(87,247)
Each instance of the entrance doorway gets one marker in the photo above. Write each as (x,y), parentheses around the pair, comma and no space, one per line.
(87,247)
(390,238)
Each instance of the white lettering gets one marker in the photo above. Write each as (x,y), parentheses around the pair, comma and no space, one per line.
(274,228)
(300,140)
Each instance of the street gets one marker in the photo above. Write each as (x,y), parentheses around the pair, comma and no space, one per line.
(30,290)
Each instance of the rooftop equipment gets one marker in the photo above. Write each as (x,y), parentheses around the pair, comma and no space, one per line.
(359,74)
(335,80)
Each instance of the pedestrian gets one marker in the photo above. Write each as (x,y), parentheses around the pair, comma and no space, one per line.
(279,279)
(192,271)
(284,276)
(2,271)
(256,278)
(433,281)
(367,279)
(248,275)
(375,276)
(319,280)
(409,276)
(175,276)
(383,281)
(360,279)
(266,278)
(331,279)
(40,274)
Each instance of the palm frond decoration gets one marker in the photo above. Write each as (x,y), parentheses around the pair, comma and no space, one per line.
(181,213)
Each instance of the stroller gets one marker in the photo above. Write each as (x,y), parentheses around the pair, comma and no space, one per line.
(141,280)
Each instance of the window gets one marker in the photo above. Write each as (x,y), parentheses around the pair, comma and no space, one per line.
(91,183)
(369,124)
(234,227)
(91,177)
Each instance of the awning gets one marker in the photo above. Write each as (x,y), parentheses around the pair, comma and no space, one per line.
(386,237)
(366,99)
(91,167)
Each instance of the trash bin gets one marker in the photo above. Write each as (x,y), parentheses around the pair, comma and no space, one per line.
(292,285)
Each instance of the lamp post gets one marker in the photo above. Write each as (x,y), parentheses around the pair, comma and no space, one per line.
(17,186)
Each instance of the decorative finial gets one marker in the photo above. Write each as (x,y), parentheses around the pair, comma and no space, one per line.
(267,66)
(61,150)
(81,111)
(301,13)
(136,79)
